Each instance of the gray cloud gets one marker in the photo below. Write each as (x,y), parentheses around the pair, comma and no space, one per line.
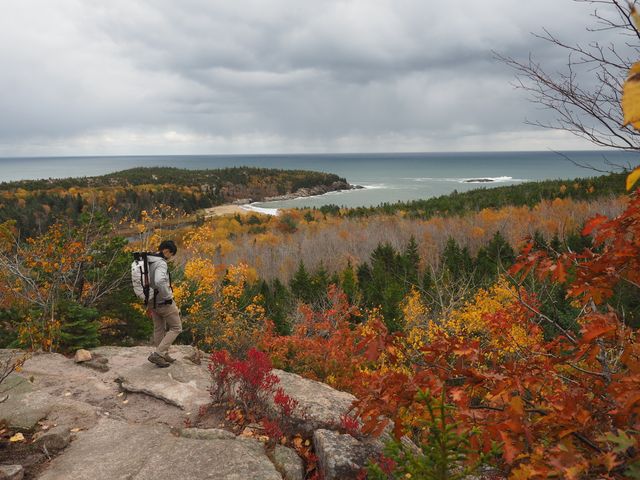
(159,76)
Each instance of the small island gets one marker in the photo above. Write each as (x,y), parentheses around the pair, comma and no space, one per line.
(479,180)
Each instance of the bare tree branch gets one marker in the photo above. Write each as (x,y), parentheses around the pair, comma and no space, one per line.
(585,97)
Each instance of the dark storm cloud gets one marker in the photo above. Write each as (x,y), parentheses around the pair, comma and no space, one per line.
(153,76)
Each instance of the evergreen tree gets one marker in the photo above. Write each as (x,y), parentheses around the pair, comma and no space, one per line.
(495,256)
(383,284)
(301,285)
(349,284)
(320,282)
(79,327)
(385,257)
(577,243)
(411,262)
(456,261)
(277,303)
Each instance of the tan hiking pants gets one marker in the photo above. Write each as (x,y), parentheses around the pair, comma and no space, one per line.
(166,326)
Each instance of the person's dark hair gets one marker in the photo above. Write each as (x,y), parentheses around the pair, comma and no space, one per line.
(169,245)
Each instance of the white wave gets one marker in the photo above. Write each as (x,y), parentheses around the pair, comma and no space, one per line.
(266,211)
(374,186)
(334,192)
(478,179)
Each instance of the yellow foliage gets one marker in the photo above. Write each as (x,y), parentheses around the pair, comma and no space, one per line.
(216,314)
(477,232)
(633,178)
(203,273)
(416,322)
(631,97)
(469,319)
(472,321)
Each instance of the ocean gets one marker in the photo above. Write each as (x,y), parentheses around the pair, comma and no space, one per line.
(388,177)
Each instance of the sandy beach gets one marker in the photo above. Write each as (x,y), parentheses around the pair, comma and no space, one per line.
(230,209)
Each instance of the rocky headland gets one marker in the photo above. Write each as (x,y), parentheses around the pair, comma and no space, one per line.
(302,192)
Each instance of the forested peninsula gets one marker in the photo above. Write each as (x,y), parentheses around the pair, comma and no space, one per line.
(124,195)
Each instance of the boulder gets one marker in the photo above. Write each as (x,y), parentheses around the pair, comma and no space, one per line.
(23,407)
(341,456)
(115,449)
(32,459)
(54,439)
(182,385)
(82,355)
(289,463)
(319,405)
(11,472)
(99,364)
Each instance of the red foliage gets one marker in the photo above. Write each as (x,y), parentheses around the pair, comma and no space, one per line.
(252,384)
(325,346)
(565,408)
(286,404)
(350,424)
(252,378)
(271,429)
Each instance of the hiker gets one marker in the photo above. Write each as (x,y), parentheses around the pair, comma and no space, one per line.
(164,312)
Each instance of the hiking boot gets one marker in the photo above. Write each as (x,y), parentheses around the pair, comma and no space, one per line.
(169,358)
(158,359)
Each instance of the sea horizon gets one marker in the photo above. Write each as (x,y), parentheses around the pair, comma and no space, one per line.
(386,177)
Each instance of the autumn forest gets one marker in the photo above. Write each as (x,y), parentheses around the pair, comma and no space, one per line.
(485,334)
(511,311)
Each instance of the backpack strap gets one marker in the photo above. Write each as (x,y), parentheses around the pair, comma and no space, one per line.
(145,277)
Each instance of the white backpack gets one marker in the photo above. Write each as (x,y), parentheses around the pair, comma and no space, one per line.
(140,277)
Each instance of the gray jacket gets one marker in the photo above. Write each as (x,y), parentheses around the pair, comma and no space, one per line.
(160,279)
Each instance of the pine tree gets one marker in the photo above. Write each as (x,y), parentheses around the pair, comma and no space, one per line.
(411,262)
(320,280)
(301,285)
(457,261)
(496,256)
(79,327)
(277,303)
(348,283)
(383,284)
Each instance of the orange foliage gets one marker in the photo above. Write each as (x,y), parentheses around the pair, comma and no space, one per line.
(565,408)
(325,345)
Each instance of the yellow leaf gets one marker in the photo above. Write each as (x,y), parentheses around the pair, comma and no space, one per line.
(631,97)
(18,437)
(635,16)
(517,405)
(633,178)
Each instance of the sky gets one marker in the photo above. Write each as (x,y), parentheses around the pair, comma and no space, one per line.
(89,77)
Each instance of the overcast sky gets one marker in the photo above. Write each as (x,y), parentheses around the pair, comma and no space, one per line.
(267,76)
